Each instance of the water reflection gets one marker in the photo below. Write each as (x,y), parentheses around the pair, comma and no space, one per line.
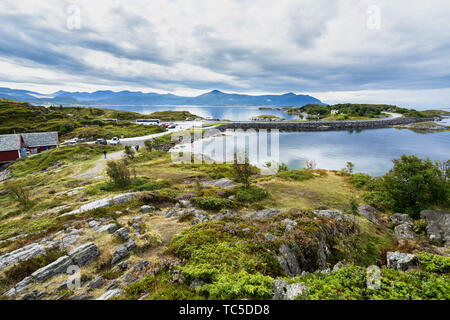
(371,151)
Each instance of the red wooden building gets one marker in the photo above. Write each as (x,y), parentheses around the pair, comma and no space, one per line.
(15,146)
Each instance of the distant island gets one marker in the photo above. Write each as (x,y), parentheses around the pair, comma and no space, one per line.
(137,98)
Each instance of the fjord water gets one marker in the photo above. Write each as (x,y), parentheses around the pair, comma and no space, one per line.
(371,151)
(233,113)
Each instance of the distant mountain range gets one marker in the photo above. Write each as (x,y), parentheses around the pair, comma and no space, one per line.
(129,98)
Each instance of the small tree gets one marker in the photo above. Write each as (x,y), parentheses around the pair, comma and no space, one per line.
(242,172)
(129,153)
(118,172)
(19,193)
(413,184)
(151,145)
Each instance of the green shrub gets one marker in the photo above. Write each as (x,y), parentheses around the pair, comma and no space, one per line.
(209,203)
(242,172)
(158,197)
(296,175)
(118,172)
(351,284)
(154,185)
(240,285)
(413,184)
(420,227)
(19,193)
(360,180)
(250,194)
(434,263)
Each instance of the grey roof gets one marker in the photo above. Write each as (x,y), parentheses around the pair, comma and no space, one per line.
(40,139)
(9,142)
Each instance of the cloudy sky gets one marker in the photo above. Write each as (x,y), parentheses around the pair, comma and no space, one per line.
(337,50)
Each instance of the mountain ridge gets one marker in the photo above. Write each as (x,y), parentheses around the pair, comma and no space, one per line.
(139,98)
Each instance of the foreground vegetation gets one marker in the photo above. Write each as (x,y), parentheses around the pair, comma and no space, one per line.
(219,231)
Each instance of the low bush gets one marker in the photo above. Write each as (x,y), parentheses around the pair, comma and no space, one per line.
(118,172)
(360,180)
(296,175)
(250,194)
(351,284)
(434,263)
(209,203)
(158,197)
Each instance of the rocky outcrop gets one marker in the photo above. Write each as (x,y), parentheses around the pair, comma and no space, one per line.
(404,232)
(147,209)
(401,261)
(84,254)
(290,224)
(96,283)
(102,203)
(334,215)
(288,261)
(21,254)
(438,225)
(264,214)
(110,228)
(400,218)
(281,290)
(122,234)
(369,212)
(123,251)
(200,216)
(110,294)
(19,287)
(221,183)
(57,267)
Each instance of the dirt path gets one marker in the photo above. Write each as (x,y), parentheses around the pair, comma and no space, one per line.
(99,166)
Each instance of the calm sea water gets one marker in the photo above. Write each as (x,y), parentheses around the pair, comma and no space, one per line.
(371,151)
(233,113)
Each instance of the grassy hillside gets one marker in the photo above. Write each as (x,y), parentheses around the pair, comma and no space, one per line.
(72,122)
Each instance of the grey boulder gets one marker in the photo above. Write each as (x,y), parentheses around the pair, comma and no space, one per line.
(369,212)
(284,291)
(110,294)
(401,261)
(404,232)
(401,218)
(21,254)
(438,225)
(56,267)
(84,254)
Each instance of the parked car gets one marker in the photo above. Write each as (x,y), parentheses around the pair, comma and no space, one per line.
(115,141)
(172,126)
(101,141)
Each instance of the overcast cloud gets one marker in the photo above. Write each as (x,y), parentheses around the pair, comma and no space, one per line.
(320,47)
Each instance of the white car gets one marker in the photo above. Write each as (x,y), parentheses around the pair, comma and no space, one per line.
(115,141)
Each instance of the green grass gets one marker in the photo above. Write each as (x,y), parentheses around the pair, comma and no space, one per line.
(24,117)
(46,159)
(120,129)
